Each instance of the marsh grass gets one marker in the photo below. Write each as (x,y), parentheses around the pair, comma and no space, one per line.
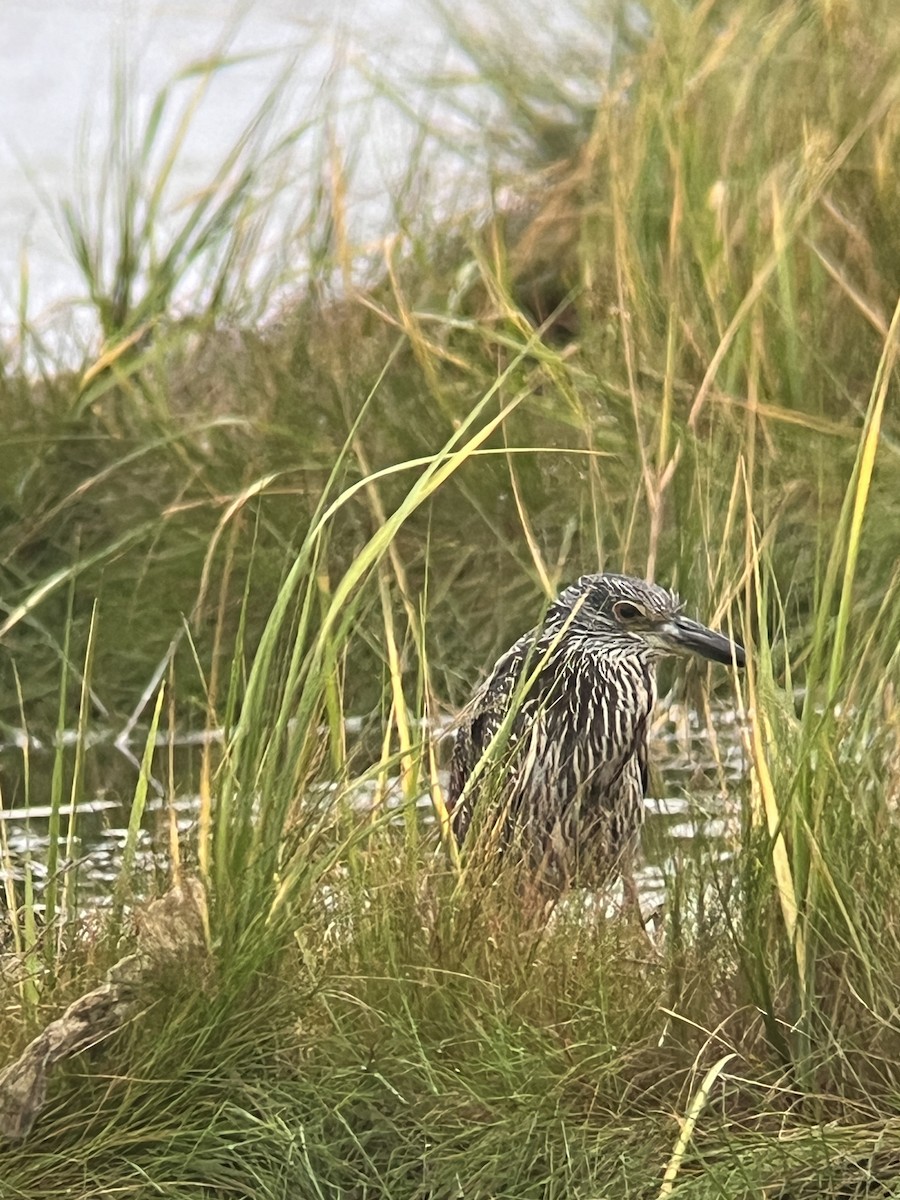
(674,356)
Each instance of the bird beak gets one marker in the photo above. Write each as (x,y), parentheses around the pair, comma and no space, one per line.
(684,634)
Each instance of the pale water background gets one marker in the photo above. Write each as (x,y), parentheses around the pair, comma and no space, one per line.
(56,70)
(391,66)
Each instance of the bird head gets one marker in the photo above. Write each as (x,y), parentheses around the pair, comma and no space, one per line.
(620,609)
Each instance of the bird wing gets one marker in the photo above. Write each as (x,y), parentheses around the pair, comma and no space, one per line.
(641,754)
(641,749)
(480,722)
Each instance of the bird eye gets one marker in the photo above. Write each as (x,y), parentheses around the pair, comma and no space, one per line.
(624,610)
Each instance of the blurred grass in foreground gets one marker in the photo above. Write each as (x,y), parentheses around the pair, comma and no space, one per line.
(675,354)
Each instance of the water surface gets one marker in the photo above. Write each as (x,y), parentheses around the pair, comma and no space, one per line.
(698,774)
(56,91)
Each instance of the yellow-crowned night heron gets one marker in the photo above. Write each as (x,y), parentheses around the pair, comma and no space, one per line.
(565,714)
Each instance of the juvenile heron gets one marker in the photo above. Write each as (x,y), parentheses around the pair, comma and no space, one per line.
(565,713)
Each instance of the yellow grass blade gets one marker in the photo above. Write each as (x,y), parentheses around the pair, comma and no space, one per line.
(865,467)
(695,1108)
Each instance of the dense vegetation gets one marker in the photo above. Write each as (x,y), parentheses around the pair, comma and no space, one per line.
(673,351)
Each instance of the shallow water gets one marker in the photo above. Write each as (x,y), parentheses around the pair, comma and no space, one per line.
(697,775)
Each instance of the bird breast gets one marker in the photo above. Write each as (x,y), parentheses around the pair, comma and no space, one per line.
(580,737)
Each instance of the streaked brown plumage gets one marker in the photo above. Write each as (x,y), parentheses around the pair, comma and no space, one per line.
(568,784)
